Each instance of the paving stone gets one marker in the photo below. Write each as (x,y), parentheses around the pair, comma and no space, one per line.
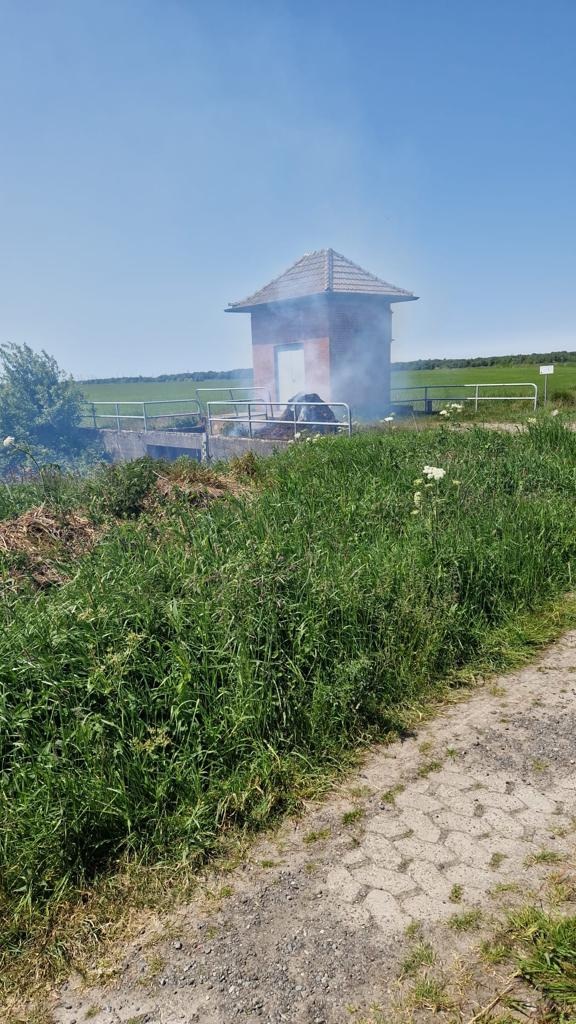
(457,802)
(417,849)
(421,825)
(394,882)
(387,824)
(354,856)
(431,881)
(458,780)
(426,908)
(503,824)
(500,801)
(568,783)
(417,801)
(470,877)
(533,799)
(449,822)
(341,882)
(381,851)
(386,911)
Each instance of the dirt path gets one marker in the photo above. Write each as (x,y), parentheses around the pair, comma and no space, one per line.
(413,861)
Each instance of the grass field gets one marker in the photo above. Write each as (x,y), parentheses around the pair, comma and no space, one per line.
(563,380)
(202,660)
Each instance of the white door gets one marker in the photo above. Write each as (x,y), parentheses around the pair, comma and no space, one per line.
(290,376)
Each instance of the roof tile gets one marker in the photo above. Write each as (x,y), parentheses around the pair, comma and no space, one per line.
(320,272)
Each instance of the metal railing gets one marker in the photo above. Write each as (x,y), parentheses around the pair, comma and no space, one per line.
(145,416)
(259,415)
(262,393)
(428,400)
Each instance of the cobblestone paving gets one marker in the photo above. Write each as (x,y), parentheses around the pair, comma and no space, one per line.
(478,805)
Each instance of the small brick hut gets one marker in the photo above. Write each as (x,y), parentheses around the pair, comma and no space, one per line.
(324,326)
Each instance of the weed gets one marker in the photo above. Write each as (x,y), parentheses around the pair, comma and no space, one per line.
(452,753)
(428,767)
(351,817)
(412,929)
(268,864)
(316,835)
(430,993)
(494,952)
(545,857)
(421,955)
(496,860)
(467,921)
(546,957)
(389,796)
(456,893)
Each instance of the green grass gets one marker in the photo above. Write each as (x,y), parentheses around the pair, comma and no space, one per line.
(546,957)
(200,664)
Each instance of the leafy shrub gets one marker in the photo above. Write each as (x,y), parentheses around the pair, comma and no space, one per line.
(121,490)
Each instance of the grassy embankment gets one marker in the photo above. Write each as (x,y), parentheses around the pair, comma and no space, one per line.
(200,662)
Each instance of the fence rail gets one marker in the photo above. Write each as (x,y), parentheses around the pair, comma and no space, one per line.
(428,400)
(149,412)
(258,415)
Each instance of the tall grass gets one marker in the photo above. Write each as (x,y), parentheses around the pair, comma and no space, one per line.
(198,661)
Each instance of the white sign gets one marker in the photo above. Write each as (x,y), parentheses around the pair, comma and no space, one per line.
(544,370)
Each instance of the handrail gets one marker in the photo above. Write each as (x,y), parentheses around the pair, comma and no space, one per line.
(118,415)
(260,417)
(476,398)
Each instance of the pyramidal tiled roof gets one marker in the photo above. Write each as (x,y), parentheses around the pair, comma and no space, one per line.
(317,272)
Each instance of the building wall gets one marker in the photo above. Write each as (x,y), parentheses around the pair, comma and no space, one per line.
(304,323)
(346,341)
(360,341)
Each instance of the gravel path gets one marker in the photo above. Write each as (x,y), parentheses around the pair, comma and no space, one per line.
(474,813)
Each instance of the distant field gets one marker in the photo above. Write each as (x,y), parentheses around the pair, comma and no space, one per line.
(564,379)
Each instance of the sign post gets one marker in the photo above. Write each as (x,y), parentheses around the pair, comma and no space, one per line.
(545,372)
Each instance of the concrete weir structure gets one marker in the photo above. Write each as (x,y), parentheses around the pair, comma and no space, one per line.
(324,326)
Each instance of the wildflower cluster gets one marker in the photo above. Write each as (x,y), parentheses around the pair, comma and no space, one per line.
(430,474)
(453,408)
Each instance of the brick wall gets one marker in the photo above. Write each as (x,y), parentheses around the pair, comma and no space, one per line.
(346,341)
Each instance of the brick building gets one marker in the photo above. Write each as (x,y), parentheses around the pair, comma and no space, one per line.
(324,326)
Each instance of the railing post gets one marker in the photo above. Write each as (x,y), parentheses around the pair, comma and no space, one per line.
(94,416)
(117,416)
(144,417)
(476,398)
(249,419)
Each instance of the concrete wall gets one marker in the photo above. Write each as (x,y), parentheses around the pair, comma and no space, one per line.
(224,448)
(125,445)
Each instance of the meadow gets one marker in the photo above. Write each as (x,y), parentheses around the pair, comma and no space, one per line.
(211,652)
(563,382)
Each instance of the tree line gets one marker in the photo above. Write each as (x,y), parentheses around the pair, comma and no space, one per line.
(457,364)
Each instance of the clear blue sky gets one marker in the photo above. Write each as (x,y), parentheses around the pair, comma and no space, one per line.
(162,157)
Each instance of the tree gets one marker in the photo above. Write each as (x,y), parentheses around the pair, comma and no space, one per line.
(39,404)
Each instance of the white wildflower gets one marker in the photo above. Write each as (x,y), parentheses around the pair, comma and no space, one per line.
(554,412)
(434,472)
(388,419)
(8,442)
(444,412)
(418,498)
(298,435)
(415,512)
(418,481)
(531,419)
